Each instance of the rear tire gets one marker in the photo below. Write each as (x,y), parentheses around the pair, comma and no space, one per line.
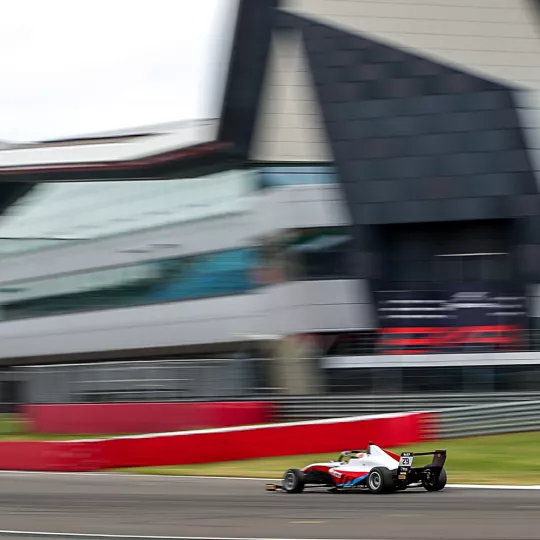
(380,480)
(435,483)
(294,481)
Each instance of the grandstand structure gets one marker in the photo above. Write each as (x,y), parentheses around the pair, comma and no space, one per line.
(370,191)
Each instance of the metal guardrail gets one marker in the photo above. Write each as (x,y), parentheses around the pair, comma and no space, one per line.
(319,407)
(493,419)
(459,415)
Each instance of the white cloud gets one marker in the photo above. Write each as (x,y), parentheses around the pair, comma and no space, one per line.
(69,67)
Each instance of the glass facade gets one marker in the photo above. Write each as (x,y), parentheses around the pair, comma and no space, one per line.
(309,254)
(433,380)
(297,175)
(319,254)
(186,278)
(60,213)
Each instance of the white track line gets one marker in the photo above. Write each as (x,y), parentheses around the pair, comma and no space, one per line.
(240,478)
(489,486)
(78,536)
(138,476)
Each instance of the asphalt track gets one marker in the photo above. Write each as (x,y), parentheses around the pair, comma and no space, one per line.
(163,506)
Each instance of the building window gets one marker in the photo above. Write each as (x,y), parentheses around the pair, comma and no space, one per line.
(186,278)
(62,213)
(319,254)
(297,175)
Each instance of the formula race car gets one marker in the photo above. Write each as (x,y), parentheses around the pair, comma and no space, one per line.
(375,470)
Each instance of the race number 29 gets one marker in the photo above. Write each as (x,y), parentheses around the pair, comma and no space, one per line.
(406,460)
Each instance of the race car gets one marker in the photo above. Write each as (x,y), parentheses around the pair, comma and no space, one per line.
(375,470)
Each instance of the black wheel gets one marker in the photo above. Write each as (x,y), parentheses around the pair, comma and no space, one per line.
(380,480)
(294,481)
(434,482)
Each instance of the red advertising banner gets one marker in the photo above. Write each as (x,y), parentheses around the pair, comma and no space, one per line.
(467,318)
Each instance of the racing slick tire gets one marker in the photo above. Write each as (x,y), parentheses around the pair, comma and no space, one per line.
(294,481)
(380,480)
(435,483)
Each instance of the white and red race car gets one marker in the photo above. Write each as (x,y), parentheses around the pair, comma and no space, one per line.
(375,470)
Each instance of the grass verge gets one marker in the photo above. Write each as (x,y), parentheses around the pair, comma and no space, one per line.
(501,459)
(15,428)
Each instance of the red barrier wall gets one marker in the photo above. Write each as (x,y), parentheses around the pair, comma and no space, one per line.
(264,441)
(118,418)
(52,456)
(226,444)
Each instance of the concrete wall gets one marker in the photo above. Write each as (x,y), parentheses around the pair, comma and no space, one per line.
(124,381)
(164,325)
(318,306)
(289,125)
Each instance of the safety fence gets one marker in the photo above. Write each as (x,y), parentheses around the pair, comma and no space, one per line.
(493,419)
(149,381)
(335,406)
(395,380)
(315,407)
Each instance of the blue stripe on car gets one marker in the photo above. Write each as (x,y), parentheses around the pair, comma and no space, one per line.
(354,482)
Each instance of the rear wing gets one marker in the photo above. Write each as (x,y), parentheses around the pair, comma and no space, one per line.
(406,460)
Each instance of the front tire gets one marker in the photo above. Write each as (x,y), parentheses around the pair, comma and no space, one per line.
(380,480)
(294,481)
(435,483)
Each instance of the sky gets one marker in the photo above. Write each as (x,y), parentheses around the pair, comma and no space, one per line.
(74,67)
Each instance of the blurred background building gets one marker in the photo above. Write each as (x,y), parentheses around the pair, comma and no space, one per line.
(363,217)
